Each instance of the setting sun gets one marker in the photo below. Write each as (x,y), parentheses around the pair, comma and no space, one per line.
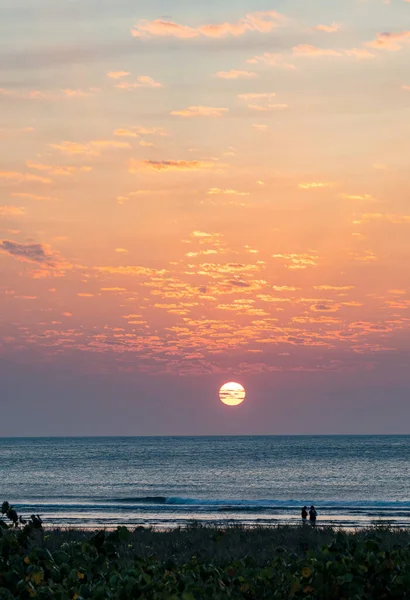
(232,393)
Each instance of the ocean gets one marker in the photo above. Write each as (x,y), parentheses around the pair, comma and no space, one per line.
(165,482)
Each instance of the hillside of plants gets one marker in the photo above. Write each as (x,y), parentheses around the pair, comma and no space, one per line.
(201,562)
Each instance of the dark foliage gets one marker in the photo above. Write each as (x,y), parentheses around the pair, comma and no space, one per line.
(201,562)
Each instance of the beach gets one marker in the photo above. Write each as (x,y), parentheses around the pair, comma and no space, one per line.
(202,562)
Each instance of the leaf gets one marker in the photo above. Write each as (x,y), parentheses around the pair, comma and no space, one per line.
(372,545)
(123,534)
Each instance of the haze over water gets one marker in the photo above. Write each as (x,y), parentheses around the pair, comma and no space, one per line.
(169,481)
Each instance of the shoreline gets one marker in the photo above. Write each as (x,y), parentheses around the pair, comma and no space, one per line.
(168,512)
(162,527)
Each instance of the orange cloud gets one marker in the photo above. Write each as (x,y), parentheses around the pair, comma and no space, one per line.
(168,165)
(273,60)
(284,288)
(267,107)
(117,74)
(391,218)
(297,261)
(130,270)
(328,28)
(137,131)
(204,234)
(150,130)
(260,126)
(125,133)
(359,197)
(20,177)
(261,22)
(47,94)
(11,211)
(314,184)
(390,41)
(21,95)
(92,148)
(32,196)
(324,307)
(309,50)
(336,288)
(17,130)
(37,253)
(247,97)
(226,191)
(79,93)
(57,169)
(200,111)
(263,101)
(234,74)
(143,81)
(359,53)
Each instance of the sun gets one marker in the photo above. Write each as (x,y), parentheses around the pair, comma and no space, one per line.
(232,393)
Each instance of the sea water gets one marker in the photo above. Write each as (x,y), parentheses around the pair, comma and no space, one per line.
(173,481)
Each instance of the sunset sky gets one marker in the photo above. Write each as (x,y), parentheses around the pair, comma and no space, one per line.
(193,193)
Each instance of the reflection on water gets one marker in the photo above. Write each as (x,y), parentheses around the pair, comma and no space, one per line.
(165,482)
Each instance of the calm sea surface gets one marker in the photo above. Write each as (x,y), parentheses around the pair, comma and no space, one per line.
(168,481)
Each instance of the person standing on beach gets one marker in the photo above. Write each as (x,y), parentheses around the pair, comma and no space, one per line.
(304,514)
(312,516)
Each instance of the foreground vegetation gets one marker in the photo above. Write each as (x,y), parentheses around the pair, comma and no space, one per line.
(201,562)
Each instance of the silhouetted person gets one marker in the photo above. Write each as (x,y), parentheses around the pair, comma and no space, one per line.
(312,516)
(304,514)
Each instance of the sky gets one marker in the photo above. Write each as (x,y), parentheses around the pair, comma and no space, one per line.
(193,193)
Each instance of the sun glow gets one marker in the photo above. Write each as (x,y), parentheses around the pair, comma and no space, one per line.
(232,393)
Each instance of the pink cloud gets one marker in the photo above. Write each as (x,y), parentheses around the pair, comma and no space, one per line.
(272,60)
(261,22)
(143,81)
(168,165)
(11,211)
(328,28)
(50,95)
(315,185)
(78,93)
(20,177)
(247,97)
(200,111)
(57,169)
(390,41)
(309,50)
(233,74)
(29,196)
(125,133)
(314,51)
(260,127)
(267,107)
(92,148)
(117,74)
(261,102)
(359,53)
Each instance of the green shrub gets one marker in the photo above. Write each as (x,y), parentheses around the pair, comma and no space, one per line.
(108,565)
